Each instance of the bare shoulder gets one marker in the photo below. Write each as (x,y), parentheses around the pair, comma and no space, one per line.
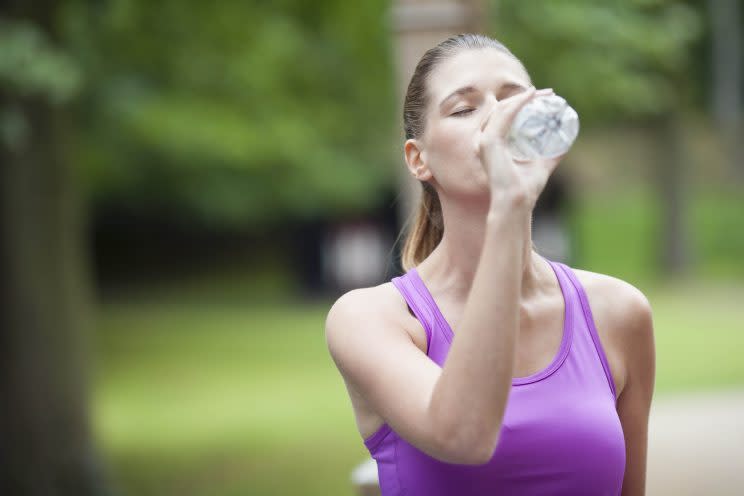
(363,326)
(356,315)
(623,318)
(382,302)
(614,292)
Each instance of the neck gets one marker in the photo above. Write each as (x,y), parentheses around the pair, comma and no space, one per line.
(451,266)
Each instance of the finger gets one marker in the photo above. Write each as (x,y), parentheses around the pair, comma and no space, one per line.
(511,108)
(548,163)
(499,107)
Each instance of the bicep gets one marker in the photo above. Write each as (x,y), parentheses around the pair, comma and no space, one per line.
(634,403)
(381,363)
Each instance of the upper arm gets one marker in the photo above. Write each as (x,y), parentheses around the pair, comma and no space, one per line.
(634,403)
(381,362)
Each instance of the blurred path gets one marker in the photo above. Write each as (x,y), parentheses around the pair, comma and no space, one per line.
(696,444)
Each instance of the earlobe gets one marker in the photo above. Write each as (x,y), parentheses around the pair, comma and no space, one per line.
(423,173)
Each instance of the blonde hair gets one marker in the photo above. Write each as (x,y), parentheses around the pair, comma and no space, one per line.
(428,227)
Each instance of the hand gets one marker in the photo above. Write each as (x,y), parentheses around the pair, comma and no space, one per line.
(516,180)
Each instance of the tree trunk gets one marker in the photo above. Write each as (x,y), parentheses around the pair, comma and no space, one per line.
(46,445)
(671,186)
(726,57)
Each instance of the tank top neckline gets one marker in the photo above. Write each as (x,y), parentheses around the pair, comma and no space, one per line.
(568,317)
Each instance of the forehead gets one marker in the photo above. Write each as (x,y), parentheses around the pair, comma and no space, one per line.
(482,67)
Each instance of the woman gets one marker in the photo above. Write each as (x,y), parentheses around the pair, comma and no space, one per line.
(486,368)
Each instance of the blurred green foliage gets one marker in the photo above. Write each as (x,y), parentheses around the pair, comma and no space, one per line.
(251,113)
(31,65)
(613,60)
(617,233)
(237,113)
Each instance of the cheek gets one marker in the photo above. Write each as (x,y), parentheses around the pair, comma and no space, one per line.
(453,143)
(454,160)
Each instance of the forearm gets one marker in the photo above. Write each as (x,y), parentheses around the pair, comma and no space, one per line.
(470,397)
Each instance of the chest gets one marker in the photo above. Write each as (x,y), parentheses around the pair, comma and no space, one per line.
(541,331)
(576,446)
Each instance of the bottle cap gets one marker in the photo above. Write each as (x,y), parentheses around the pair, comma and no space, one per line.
(545,127)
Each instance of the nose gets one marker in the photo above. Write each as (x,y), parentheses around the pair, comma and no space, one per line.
(489,105)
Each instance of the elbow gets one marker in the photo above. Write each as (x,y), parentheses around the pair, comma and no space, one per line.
(481,455)
(470,450)
(463,439)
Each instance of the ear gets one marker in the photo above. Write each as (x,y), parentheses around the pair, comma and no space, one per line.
(415,156)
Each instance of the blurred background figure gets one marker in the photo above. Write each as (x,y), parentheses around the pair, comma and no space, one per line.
(187,186)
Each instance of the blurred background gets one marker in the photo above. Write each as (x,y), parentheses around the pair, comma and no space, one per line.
(187,186)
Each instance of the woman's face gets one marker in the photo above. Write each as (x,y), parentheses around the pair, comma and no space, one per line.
(462,91)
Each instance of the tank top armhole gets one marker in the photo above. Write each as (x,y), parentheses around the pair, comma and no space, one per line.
(372,442)
(588,316)
(409,297)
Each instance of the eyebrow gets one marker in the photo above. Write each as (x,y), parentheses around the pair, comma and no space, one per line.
(471,89)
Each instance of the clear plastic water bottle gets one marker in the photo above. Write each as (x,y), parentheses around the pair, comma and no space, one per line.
(545,127)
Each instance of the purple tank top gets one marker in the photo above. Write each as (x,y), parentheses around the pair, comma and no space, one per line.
(561,434)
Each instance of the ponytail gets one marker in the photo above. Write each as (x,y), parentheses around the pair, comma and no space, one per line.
(427,230)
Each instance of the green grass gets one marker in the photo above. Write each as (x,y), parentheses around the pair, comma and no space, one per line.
(225,400)
(202,399)
(699,334)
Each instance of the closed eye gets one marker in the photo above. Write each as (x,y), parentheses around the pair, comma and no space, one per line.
(464,111)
